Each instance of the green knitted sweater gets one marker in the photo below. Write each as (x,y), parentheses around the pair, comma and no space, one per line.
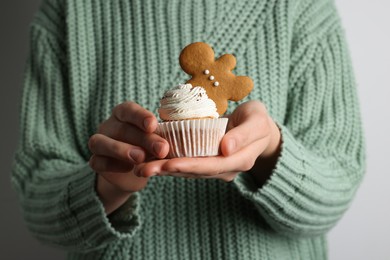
(88,56)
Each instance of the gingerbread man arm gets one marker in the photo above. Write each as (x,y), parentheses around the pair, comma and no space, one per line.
(241,87)
(227,61)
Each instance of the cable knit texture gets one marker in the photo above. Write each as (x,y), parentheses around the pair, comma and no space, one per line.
(88,56)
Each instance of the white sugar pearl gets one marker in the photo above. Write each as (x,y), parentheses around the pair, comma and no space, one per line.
(216,84)
(211,77)
(206,72)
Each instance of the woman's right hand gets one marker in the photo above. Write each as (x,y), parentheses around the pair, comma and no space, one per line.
(124,143)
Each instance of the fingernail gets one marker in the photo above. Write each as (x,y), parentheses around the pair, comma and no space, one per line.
(158,147)
(147,123)
(137,155)
(231,146)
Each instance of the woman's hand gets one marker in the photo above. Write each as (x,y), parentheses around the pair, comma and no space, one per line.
(251,144)
(124,144)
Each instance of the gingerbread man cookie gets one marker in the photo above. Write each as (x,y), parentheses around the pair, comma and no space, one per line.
(214,75)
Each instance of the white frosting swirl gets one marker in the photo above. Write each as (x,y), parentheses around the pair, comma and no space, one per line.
(185,102)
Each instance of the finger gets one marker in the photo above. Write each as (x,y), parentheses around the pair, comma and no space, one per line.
(210,166)
(185,175)
(149,169)
(132,113)
(105,146)
(124,181)
(151,142)
(227,177)
(205,166)
(103,164)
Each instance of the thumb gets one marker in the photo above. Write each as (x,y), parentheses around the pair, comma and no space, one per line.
(247,124)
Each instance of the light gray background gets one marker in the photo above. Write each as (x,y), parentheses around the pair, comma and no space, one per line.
(364,231)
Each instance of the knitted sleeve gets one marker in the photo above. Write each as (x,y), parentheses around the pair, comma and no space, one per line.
(322,156)
(55,184)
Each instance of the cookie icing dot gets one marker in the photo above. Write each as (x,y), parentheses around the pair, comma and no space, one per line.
(211,77)
(216,84)
(206,72)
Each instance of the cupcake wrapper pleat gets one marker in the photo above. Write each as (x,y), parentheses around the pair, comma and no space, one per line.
(193,138)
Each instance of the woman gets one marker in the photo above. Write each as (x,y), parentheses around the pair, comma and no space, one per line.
(91,172)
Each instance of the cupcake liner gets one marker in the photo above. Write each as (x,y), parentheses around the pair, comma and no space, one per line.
(193,138)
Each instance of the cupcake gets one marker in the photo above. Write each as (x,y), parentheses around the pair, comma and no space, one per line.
(191,112)
(191,124)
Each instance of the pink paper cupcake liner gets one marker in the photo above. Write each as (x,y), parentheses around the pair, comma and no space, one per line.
(193,138)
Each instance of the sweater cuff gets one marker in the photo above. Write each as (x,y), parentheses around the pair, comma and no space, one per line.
(273,199)
(88,214)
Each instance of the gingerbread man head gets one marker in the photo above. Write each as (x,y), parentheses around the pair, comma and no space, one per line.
(214,75)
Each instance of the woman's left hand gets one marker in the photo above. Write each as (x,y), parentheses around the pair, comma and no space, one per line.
(251,135)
